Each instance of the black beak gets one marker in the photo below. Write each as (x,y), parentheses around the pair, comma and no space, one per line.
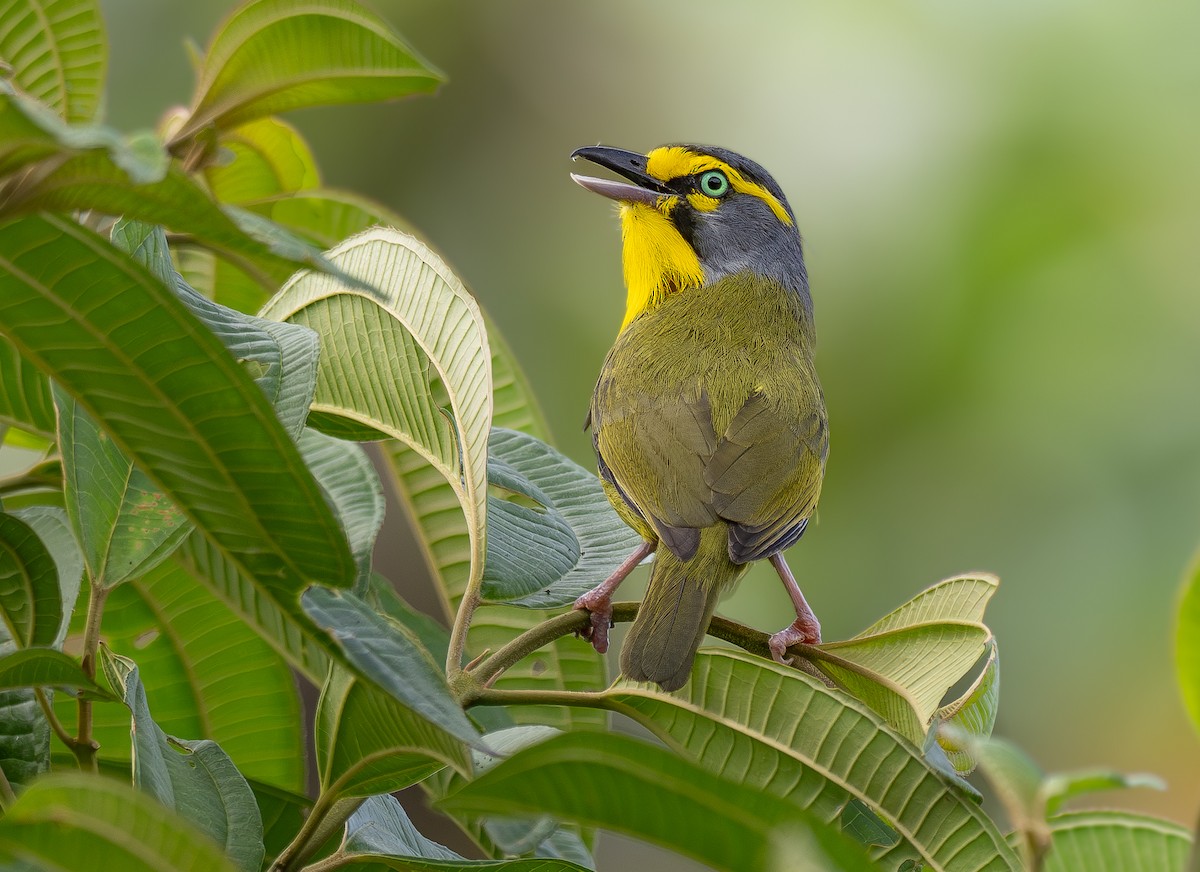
(628,164)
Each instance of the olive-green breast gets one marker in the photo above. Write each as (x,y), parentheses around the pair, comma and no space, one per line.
(708,411)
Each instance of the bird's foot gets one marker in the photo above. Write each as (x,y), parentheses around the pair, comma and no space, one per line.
(805,630)
(599,607)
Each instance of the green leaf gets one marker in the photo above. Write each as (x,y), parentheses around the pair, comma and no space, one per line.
(1187,643)
(24,393)
(29,131)
(797,847)
(326,216)
(272,56)
(368,743)
(631,787)
(381,826)
(45,667)
(77,821)
(371,371)
(25,737)
(57,53)
(1015,779)
(200,663)
(102,172)
(30,597)
(380,836)
(196,779)
(604,540)
(973,712)
(52,527)
(528,548)
(866,827)
(262,158)
(1061,787)
(125,525)
(959,598)
(1115,841)
(904,664)
(282,357)
(299,642)
(174,400)
(827,750)
(391,658)
(442,533)
(348,478)
(916,664)
(504,836)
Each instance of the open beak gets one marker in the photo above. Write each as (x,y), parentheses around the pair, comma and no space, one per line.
(628,164)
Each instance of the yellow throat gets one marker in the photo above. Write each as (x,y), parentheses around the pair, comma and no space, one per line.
(657,260)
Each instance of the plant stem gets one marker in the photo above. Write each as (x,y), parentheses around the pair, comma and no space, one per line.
(573,621)
(326,816)
(578,699)
(85,747)
(458,633)
(55,724)
(336,860)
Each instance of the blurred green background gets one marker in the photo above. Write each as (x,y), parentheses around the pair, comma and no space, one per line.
(1001,205)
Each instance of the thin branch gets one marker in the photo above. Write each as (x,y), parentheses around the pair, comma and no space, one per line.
(52,719)
(754,641)
(85,746)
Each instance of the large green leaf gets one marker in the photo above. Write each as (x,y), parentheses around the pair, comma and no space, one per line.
(271,56)
(628,786)
(194,778)
(391,658)
(604,540)
(904,664)
(372,373)
(30,597)
(1187,643)
(368,743)
(442,533)
(782,732)
(124,524)
(373,352)
(174,400)
(301,644)
(24,393)
(77,821)
(1115,841)
(282,357)
(56,52)
(200,665)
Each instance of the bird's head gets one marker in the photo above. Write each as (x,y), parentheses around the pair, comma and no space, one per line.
(694,215)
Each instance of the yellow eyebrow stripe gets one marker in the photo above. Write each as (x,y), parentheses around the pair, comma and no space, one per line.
(671,162)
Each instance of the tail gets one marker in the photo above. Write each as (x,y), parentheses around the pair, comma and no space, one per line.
(675,612)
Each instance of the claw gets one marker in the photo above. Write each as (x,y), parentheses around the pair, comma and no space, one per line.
(600,610)
(802,631)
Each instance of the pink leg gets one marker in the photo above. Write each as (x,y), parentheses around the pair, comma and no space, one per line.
(806,629)
(598,600)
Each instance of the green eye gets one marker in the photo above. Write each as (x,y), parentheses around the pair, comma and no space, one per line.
(714,184)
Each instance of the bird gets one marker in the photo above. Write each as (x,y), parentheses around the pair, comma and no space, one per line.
(708,420)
